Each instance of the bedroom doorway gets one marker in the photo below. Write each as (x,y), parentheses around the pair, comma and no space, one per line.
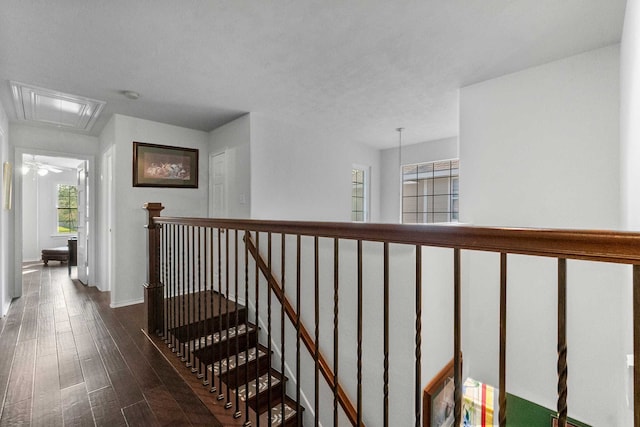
(48,203)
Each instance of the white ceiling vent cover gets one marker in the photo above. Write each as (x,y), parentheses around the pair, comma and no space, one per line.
(49,107)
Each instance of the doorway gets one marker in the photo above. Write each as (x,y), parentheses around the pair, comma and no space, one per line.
(47,207)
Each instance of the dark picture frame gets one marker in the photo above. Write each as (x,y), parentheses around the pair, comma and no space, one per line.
(437,398)
(164,166)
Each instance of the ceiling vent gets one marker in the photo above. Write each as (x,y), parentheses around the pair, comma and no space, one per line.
(49,107)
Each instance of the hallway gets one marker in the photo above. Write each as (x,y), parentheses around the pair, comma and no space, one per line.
(67,358)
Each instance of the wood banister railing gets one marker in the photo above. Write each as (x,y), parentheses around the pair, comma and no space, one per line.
(307,340)
(591,245)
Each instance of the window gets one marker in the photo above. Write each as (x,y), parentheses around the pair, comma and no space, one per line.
(67,209)
(430,192)
(358,194)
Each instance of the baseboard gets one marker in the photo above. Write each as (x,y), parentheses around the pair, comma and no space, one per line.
(126,303)
(4,310)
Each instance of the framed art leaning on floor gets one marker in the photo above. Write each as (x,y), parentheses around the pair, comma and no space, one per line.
(437,399)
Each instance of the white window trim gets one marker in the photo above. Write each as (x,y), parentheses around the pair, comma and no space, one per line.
(367,196)
(401,172)
(55,208)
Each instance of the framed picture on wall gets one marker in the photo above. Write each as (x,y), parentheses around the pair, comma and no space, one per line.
(164,166)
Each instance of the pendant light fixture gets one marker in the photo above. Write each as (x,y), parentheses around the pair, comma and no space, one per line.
(399,130)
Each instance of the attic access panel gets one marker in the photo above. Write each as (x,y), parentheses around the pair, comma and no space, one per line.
(49,107)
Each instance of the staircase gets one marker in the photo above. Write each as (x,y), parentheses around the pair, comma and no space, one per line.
(212,336)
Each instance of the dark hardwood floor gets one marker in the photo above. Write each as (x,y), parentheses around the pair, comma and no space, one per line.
(67,359)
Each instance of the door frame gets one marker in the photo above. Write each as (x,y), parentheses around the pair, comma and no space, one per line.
(107,223)
(19,151)
(83,189)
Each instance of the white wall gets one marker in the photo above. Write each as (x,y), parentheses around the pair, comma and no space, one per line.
(52,140)
(130,218)
(39,227)
(430,151)
(630,144)
(297,174)
(629,113)
(539,148)
(6,235)
(234,139)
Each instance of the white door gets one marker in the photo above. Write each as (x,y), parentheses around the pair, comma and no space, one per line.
(109,217)
(218,177)
(83,222)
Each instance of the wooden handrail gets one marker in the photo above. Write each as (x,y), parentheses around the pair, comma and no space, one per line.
(325,369)
(592,245)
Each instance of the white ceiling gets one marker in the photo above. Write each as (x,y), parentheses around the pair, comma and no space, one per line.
(353,70)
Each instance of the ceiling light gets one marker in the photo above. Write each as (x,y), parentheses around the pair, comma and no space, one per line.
(39,166)
(131,94)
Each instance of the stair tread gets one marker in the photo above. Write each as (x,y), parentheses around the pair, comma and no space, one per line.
(230,362)
(276,414)
(263,385)
(206,345)
(221,337)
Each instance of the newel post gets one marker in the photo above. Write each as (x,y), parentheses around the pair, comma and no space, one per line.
(153,288)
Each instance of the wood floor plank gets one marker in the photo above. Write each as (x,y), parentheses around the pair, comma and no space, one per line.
(105,407)
(29,327)
(126,387)
(32,296)
(46,342)
(98,330)
(85,346)
(60,313)
(8,340)
(139,414)
(76,409)
(110,355)
(141,369)
(47,400)
(165,407)
(69,368)
(22,372)
(95,376)
(78,325)
(18,414)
